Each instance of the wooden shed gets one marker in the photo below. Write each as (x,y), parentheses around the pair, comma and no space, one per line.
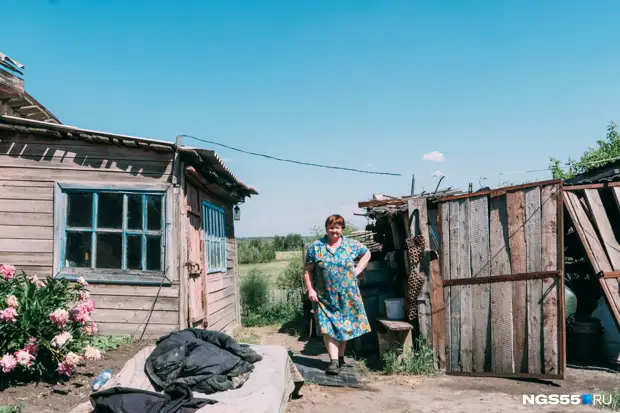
(493,297)
(149,224)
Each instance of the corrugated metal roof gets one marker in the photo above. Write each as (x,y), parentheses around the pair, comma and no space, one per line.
(606,173)
(206,156)
(212,158)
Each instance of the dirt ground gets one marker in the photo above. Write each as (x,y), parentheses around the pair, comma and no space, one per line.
(394,394)
(62,397)
(449,394)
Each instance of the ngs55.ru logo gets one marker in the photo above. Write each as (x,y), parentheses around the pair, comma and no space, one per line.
(591,399)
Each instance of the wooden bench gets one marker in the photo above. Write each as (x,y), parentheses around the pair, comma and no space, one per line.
(394,335)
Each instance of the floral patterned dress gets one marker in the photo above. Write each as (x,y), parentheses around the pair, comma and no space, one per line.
(340,311)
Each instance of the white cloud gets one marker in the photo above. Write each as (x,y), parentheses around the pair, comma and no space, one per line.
(438,174)
(434,157)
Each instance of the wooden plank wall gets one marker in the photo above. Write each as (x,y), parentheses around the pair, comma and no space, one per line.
(29,168)
(508,322)
(588,215)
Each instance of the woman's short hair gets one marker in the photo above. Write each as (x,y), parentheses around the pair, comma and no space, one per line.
(335,220)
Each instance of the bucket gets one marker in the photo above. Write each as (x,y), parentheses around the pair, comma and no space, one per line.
(395,308)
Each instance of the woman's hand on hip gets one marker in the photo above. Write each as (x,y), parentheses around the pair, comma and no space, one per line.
(312,296)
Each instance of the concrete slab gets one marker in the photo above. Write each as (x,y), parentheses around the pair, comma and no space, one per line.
(266,390)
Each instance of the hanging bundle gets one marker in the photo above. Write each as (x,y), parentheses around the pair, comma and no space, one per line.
(415,281)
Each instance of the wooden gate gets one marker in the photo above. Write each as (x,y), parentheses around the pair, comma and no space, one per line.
(501,260)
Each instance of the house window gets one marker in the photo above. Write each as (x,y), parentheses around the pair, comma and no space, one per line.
(214,225)
(113,230)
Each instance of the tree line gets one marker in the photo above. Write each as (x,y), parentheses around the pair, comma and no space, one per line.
(263,249)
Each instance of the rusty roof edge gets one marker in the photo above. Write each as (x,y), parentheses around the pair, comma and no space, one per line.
(213,156)
(66,128)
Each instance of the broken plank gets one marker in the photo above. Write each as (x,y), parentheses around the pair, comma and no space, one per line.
(587,234)
(516,230)
(601,220)
(502,359)
(481,294)
(549,200)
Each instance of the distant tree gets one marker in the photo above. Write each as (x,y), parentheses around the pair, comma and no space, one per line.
(256,250)
(591,158)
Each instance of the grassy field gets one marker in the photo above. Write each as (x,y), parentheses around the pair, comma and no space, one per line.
(273,268)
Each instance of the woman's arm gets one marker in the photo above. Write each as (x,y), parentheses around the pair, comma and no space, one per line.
(363,262)
(308,269)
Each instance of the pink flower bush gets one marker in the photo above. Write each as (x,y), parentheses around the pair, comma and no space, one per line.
(89,329)
(12,301)
(8,315)
(59,318)
(82,311)
(8,363)
(7,271)
(24,358)
(91,353)
(84,295)
(31,346)
(45,325)
(61,339)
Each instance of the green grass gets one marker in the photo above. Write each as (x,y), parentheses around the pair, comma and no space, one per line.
(12,409)
(421,361)
(273,268)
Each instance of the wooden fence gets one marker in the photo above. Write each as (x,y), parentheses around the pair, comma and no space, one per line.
(501,262)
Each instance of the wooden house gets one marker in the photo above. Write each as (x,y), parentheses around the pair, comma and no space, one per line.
(149,224)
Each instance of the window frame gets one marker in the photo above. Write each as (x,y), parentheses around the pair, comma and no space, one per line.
(109,275)
(220,238)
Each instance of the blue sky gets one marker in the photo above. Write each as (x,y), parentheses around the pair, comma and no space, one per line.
(494,86)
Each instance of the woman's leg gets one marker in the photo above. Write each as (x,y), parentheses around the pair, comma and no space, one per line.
(342,346)
(332,349)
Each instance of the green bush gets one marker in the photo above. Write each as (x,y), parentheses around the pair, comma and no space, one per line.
(273,314)
(45,325)
(254,290)
(258,310)
(291,277)
(256,250)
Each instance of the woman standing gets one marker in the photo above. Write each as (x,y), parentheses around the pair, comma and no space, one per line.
(331,279)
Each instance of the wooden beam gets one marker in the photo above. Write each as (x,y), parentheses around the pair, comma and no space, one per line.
(501,278)
(499,191)
(604,226)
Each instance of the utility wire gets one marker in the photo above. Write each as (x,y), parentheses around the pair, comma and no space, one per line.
(565,164)
(290,160)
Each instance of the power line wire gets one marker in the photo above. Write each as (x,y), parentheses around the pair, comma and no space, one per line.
(564,164)
(290,160)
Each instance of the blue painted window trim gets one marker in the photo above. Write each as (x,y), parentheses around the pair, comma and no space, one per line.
(214,237)
(106,275)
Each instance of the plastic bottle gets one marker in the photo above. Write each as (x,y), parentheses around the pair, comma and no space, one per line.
(102,379)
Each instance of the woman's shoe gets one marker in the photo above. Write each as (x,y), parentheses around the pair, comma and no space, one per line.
(333,368)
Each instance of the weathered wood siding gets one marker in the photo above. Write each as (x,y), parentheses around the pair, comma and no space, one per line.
(214,296)
(503,282)
(5,109)
(29,168)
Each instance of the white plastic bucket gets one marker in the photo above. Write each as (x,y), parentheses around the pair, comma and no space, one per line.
(395,308)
